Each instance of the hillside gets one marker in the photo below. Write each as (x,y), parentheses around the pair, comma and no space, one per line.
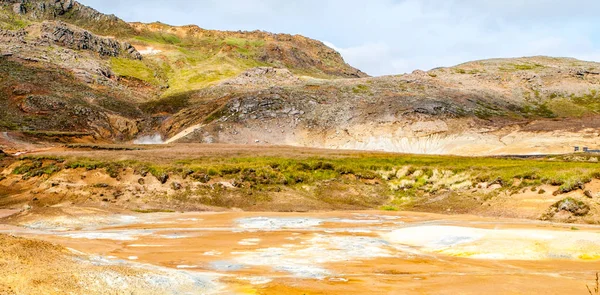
(503,106)
(71,73)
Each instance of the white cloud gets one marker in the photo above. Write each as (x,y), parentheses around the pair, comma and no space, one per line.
(396,36)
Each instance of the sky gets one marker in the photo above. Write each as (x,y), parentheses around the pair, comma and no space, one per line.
(383,37)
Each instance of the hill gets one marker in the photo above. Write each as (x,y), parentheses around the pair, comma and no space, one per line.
(70,73)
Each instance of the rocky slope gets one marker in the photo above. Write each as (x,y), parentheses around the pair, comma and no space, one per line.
(116,84)
(507,106)
(188,84)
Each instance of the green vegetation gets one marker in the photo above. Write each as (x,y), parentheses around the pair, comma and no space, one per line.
(36,168)
(137,69)
(171,104)
(574,105)
(158,37)
(384,181)
(358,89)
(426,173)
(245,46)
(537,110)
(9,21)
(521,67)
(563,107)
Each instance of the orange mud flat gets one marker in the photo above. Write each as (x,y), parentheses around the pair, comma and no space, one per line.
(366,252)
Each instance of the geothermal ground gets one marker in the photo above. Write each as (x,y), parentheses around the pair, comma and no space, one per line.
(363,252)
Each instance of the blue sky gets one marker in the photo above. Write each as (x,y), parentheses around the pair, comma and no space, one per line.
(396,36)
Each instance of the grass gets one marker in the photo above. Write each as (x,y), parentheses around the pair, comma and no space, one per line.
(158,37)
(36,168)
(245,46)
(571,106)
(421,169)
(521,67)
(356,180)
(137,69)
(196,61)
(9,21)
(358,89)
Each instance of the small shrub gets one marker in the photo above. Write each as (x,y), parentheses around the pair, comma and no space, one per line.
(389,208)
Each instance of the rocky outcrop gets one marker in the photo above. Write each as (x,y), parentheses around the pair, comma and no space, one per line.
(41,8)
(8,36)
(71,12)
(19,8)
(75,38)
(264,76)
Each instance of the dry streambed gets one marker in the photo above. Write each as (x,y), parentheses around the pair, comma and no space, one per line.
(308,253)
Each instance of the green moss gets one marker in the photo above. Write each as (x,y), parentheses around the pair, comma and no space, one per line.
(158,37)
(170,104)
(389,208)
(521,67)
(360,89)
(566,108)
(35,168)
(538,110)
(125,67)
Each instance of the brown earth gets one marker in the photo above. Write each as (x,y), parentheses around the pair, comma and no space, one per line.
(129,185)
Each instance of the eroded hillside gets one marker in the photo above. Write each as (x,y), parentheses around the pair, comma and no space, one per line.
(507,106)
(72,72)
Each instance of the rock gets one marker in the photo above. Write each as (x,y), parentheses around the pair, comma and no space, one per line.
(19,8)
(163,178)
(577,208)
(176,186)
(75,38)
(7,36)
(39,103)
(588,194)
(263,76)
(141,181)
(201,177)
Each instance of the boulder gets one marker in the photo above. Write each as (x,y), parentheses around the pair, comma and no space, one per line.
(163,178)
(19,8)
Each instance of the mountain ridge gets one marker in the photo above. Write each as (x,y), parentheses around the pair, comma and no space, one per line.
(263,88)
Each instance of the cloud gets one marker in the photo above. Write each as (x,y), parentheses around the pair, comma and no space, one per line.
(396,36)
